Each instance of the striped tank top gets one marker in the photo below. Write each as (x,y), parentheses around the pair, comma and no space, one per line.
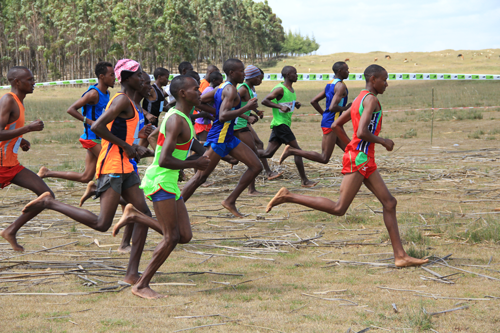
(9,148)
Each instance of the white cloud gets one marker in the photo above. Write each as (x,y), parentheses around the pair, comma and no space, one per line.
(393,26)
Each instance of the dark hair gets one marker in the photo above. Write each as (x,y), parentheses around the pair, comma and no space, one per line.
(178,83)
(14,70)
(194,75)
(337,66)
(373,70)
(286,70)
(230,65)
(184,66)
(160,71)
(215,76)
(102,68)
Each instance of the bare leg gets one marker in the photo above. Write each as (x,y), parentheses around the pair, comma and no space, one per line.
(200,176)
(376,185)
(260,146)
(247,138)
(85,177)
(174,221)
(244,154)
(327,146)
(348,190)
(89,191)
(153,138)
(29,180)
(202,136)
(132,215)
(300,167)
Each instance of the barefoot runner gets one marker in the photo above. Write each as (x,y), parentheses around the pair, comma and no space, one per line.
(92,103)
(283,101)
(118,128)
(160,182)
(12,129)
(360,167)
(221,140)
(336,94)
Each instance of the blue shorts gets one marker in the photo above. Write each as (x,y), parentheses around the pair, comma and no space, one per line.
(223,149)
(162,195)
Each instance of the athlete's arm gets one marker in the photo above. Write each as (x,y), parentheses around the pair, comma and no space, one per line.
(229,94)
(275,94)
(173,130)
(7,105)
(206,108)
(91,98)
(315,102)
(340,90)
(338,126)
(244,95)
(370,105)
(206,99)
(119,106)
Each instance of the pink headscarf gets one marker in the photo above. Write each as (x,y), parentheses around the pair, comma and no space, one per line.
(125,65)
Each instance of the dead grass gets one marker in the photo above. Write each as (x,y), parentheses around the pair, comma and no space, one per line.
(446,197)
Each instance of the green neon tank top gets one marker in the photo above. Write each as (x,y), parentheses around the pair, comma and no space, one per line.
(243,122)
(157,178)
(288,99)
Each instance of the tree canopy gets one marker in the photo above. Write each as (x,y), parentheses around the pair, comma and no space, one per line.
(64,39)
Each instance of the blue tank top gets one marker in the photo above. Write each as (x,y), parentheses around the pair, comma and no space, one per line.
(93,112)
(330,117)
(140,124)
(221,132)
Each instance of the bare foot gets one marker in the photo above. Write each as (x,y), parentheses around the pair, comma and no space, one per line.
(278,199)
(207,184)
(232,208)
(39,203)
(12,240)
(274,175)
(42,172)
(90,191)
(128,216)
(285,154)
(131,279)
(408,261)
(255,193)
(309,183)
(124,249)
(147,293)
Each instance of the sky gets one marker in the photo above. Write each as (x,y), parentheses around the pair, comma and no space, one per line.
(393,26)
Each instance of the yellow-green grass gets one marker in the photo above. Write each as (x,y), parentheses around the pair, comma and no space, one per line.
(436,186)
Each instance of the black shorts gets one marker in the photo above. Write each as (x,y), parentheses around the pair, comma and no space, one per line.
(117,181)
(282,133)
(242,130)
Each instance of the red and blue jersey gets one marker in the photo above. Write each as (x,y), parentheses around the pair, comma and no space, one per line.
(328,116)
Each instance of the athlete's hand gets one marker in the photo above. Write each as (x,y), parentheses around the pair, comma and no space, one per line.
(150,117)
(130,151)
(144,152)
(35,126)
(348,106)
(284,108)
(298,104)
(252,104)
(260,114)
(252,119)
(25,145)
(388,144)
(146,131)
(202,163)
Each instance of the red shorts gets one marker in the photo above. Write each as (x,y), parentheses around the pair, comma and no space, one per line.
(326,130)
(358,161)
(8,173)
(89,144)
(198,128)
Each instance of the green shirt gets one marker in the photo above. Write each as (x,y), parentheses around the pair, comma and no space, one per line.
(240,122)
(289,98)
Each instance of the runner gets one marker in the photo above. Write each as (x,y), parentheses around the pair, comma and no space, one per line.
(92,103)
(205,82)
(160,182)
(283,101)
(203,125)
(118,128)
(154,103)
(360,167)
(336,94)
(12,129)
(221,140)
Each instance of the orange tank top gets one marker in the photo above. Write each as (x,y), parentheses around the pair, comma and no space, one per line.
(112,158)
(9,148)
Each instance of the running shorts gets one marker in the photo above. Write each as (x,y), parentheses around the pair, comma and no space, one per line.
(199,128)
(8,173)
(89,144)
(223,149)
(161,195)
(326,130)
(282,133)
(358,161)
(117,181)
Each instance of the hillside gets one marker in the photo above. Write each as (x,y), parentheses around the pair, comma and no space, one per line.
(447,61)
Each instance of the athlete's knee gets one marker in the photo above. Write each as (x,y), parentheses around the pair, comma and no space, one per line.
(87,178)
(102,227)
(324,160)
(171,238)
(390,203)
(186,237)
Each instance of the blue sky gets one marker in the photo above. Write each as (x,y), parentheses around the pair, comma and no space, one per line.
(393,26)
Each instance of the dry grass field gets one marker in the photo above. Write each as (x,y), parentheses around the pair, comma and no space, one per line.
(293,269)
